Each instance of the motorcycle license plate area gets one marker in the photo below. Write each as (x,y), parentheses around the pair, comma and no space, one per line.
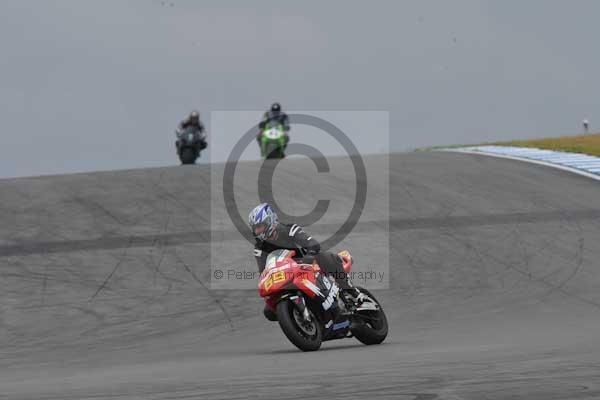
(273,133)
(274,278)
(278,271)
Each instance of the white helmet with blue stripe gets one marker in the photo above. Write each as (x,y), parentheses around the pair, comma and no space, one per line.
(263,221)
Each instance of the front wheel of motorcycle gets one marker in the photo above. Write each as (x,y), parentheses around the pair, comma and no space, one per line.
(305,335)
(187,156)
(370,326)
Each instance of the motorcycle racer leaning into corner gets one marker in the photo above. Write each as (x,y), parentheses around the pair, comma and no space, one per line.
(277,115)
(271,235)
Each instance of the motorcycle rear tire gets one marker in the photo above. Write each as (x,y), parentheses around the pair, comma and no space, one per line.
(368,333)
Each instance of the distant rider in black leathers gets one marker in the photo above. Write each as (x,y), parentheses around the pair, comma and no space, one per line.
(193,121)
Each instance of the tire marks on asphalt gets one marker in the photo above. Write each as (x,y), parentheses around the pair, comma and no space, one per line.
(204,236)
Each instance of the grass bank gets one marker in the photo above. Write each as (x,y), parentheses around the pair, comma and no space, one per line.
(586,144)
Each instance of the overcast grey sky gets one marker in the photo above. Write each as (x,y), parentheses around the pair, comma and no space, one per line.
(89,85)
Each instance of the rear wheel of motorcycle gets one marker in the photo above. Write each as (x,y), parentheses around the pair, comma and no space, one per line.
(370,327)
(304,335)
(187,156)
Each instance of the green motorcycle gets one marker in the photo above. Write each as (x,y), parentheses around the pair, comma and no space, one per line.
(273,140)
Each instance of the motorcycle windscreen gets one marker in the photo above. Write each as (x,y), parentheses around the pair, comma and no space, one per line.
(277,256)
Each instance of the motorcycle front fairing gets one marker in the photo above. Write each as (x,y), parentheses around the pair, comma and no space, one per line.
(272,139)
(307,286)
(190,136)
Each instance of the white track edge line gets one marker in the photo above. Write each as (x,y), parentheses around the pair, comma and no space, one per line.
(529,160)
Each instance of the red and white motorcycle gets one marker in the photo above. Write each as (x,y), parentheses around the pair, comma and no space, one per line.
(311,308)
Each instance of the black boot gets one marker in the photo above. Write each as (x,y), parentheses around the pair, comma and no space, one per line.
(352,295)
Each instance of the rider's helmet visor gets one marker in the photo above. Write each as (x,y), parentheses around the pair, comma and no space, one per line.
(259,228)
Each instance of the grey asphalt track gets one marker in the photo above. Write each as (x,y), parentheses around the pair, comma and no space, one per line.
(494,288)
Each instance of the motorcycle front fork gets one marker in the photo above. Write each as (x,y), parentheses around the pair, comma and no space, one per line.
(301,305)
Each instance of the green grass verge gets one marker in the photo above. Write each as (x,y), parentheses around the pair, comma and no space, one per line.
(586,144)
